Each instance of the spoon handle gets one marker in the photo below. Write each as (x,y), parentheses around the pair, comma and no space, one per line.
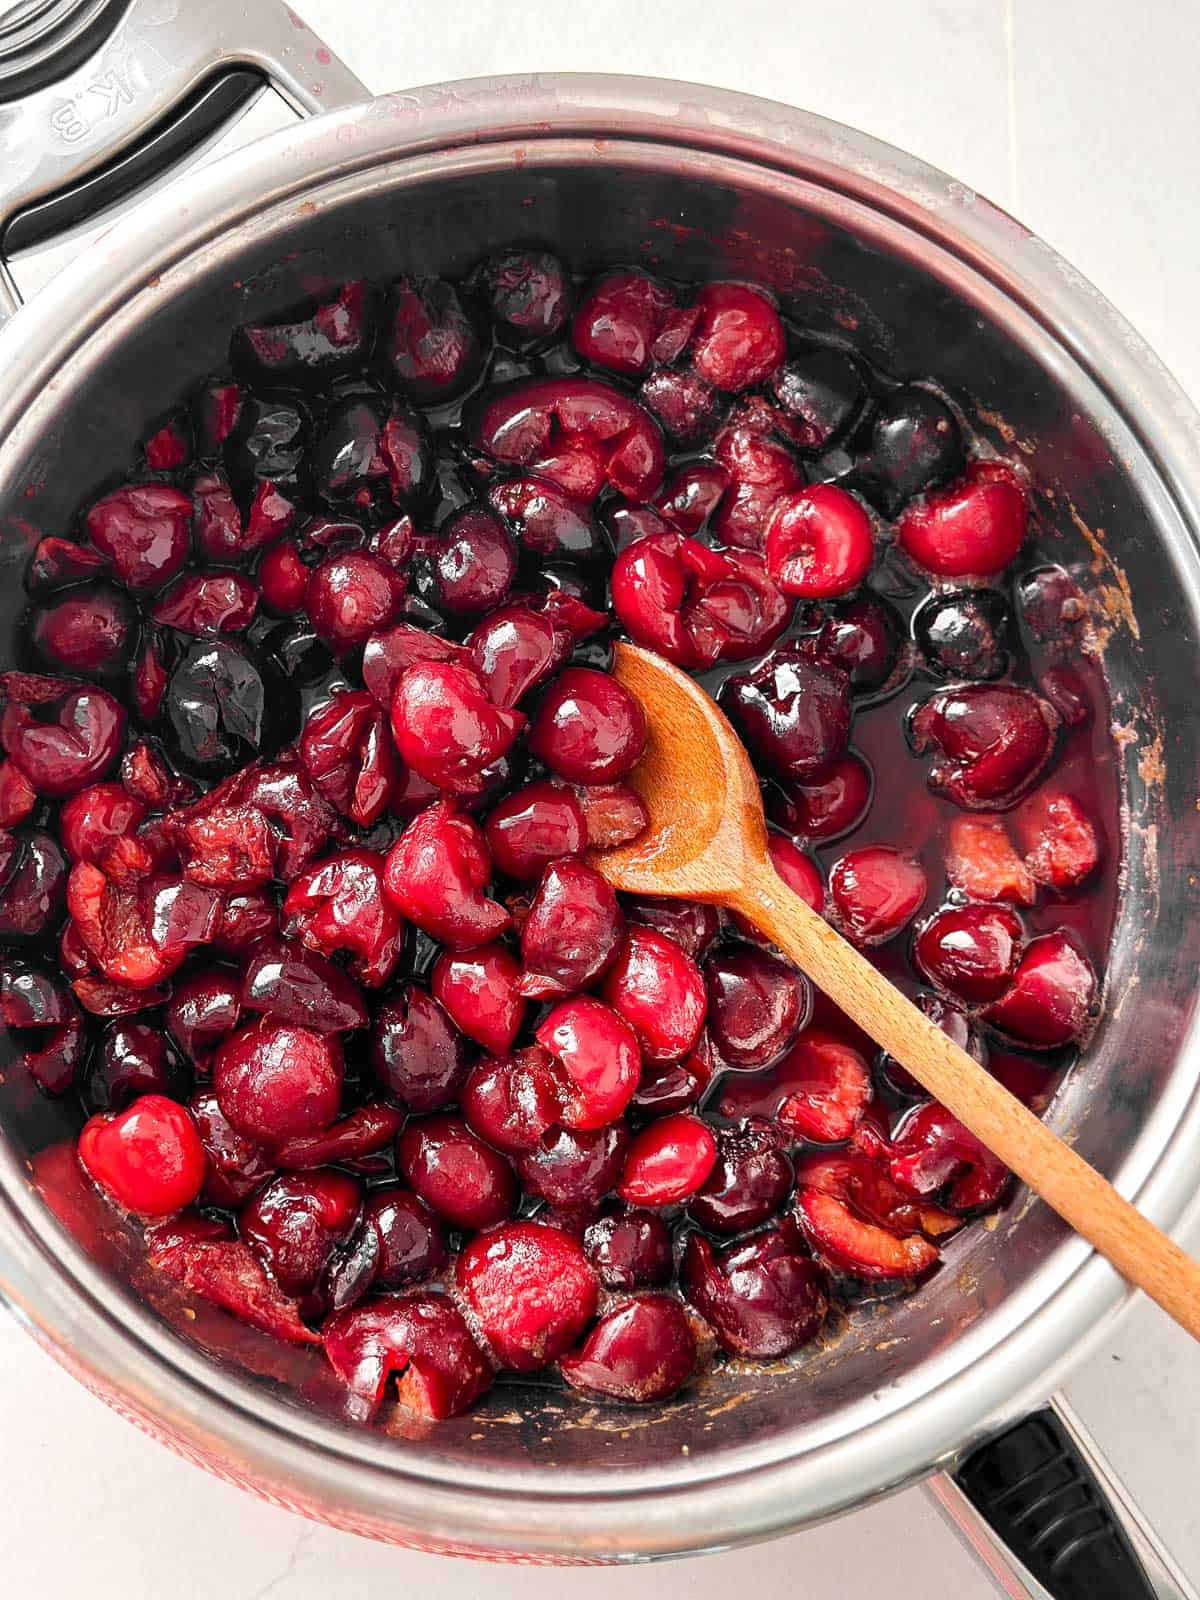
(1135,1247)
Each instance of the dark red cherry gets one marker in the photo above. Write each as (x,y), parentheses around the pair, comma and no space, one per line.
(457,1175)
(204,1007)
(143,529)
(134,1058)
(546,520)
(974,528)
(352,1139)
(588,728)
(970,950)
(411,1239)
(207,602)
(619,318)
(688,499)
(641,1350)
(829,803)
(339,906)
(792,710)
(66,743)
(915,443)
(420,1338)
(447,728)
(749,1183)
(575,1168)
(630,1249)
(863,638)
(275,1081)
(570,935)
(532,827)
(739,337)
(1052,994)
(58,564)
(435,876)
(876,891)
(347,751)
(931,1148)
(480,990)
(819,542)
(417,1053)
(87,632)
(33,880)
(757,1003)
(963,633)
(432,348)
(530,1290)
(295,1223)
(310,351)
(227,704)
(688,407)
(660,992)
(760,471)
(285,981)
(516,648)
(761,1297)
(200,1254)
(512,1102)
(474,561)
(820,390)
(992,741)
(18,797)
(528,297)
(237,1166)
(692,925)
(351,596)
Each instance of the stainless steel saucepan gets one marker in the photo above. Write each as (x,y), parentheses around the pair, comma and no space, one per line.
(101,101)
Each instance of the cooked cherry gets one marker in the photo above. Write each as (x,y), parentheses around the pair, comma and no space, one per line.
(339,906)
(532,827)
(300,818)
(827,804)
(992,739)
(598,1061)
(432,350)
(760,1297)
(749,1183)
(820,390)
(570,936)
(799,871)
(87,631)
(311,350)
(417,1053)
(974,528)
(291,984)
(971,950)
(45,1025)
(412,1241)
(207,602)
(475,561)
(847,1243)
(688,499)
(761,471)
(668,1161)
(963,633)
(204,1008)
(876,891)
(347,751)
(659,990)
(421,1338)
(819,1090)
(226,705)
(268,446)
(931,1148)
(276,1080)
(676,1085)
(757,1003)
(692,925)
(199,1253)
(237,1166)
(687,406)
(982,862)
(1050,1000)
(739,338)
(446,727)
(528,296)
(350,596)
(360,1134)
(545,519)
(457,1175)
(641,1350)
(480,989)
(589,728)
(18,797)
(863,638)
(630,1249)
(792,709)
(512,1102)
(619,318)
(915,444)
(296,1221)
(58,563)
(33,881)
(435,876)
(1052,606)
(148,1158)
(133,1059)
(575,1168)
(225,847)
(531,1291)
(580,433)
(64,744)
(613,813)
(92,820)
(1059,839)
(143,530)
(819,542)
(954,1023)
(373,458)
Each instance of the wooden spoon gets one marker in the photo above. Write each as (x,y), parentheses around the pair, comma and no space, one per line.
(707,840)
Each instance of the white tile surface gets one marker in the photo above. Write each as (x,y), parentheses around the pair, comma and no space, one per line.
(1082,117)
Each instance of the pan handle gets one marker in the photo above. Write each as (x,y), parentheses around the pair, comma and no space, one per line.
(1043,1511)
(109,124)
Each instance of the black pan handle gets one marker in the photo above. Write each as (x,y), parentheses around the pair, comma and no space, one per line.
(1042,1510)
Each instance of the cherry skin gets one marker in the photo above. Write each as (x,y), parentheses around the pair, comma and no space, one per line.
(598,1060)
(641,1350)
(532,827)
(659,991)
(148,1158)
(531,1291)
(668,1161)
(589,728)
(275,1081)
(458,1176)
(819,542)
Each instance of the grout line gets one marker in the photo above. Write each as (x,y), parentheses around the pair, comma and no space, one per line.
(1014,148)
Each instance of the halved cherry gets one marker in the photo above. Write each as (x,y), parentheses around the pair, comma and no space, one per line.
(641,1350)
(435,876)
(201,1254)
(422,1339)
(1050,1000)
(828,1088)
(599,1062)
(480,990)
(659,991)
(1059,839)
(876,891)
(931,1148)
(848,1244)
(761,1296)
(571,932)
(819,542)
(982,862)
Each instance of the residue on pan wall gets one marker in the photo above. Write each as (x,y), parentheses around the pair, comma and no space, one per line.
(1115,597)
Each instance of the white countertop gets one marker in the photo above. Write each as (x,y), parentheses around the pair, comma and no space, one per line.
(1082,118)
